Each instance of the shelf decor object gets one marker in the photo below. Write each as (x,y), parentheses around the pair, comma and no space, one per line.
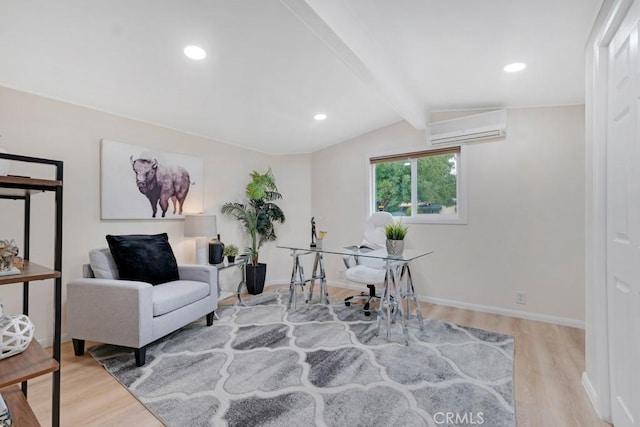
(16,333)
(5,415)
(8,251)
(34,360)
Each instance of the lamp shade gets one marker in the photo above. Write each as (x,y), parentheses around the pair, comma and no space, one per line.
(200,225)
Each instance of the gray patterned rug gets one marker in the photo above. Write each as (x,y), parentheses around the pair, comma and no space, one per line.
(260,365)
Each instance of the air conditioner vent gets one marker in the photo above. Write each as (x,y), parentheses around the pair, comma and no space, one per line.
(472,128)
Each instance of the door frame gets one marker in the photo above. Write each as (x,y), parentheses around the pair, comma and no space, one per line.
(598,386)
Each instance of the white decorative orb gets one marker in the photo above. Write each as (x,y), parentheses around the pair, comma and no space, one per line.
(16,333)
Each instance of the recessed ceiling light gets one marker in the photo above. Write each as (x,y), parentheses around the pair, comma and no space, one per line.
(195,52)
(516,66)
(320,116)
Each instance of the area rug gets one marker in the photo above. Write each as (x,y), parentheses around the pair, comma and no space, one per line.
(319,365)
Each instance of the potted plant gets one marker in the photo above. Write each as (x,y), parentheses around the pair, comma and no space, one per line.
(257,214)
(395,233)
(230,251)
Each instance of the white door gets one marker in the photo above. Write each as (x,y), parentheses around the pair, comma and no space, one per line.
(623,221)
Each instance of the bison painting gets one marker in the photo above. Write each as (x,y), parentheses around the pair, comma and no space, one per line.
(161,183)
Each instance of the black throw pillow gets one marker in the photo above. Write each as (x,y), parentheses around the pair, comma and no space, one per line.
(145,258)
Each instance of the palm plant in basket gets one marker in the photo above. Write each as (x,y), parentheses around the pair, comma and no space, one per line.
(258,215)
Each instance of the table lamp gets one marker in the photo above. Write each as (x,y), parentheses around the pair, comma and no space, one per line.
(202,227)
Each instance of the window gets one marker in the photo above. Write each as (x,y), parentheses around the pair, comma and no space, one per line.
(424,186)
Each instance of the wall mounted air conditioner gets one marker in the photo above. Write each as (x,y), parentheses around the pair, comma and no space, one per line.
(476,127)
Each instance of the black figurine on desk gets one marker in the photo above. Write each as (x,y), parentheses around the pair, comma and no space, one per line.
(313,232)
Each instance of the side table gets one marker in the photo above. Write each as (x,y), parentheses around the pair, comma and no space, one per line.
(240,263)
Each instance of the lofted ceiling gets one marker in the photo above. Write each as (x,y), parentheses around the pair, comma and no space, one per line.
(271,65)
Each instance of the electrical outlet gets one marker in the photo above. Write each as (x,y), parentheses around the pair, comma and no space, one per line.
(521,298)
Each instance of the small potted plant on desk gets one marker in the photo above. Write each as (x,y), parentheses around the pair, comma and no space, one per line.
(258,216)
(230,251)
(395,232)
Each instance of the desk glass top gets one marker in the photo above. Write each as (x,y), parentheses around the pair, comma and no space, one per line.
(407,254)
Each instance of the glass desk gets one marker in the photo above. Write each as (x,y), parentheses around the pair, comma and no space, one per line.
(397,271)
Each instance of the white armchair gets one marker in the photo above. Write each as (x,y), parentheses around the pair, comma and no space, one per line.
(134,313)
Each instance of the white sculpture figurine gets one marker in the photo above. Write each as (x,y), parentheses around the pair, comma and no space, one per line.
(16,333)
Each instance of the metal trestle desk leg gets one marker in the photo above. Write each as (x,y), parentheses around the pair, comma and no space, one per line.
(410,294)
(318,263)
(391,301)
(297,270)
(298,279)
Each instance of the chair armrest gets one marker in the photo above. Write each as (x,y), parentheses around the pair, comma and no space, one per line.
(112,311)
(347,260)
(363,248)
(200,273)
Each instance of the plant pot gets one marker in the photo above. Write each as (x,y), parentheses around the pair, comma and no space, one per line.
(395,247)
(231,259)
(256,275)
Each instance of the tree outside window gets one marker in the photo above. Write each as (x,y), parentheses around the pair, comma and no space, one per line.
(393,186)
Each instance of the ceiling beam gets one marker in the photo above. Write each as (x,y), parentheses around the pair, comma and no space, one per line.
(362,60)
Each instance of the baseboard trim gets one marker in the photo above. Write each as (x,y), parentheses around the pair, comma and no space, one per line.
(574,323)
(591,392)
(270,283)
(564,321)
(45,342)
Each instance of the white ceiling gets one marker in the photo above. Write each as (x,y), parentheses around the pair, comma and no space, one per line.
(273,64)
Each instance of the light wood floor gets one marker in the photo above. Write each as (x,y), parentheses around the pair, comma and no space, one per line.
(548,366)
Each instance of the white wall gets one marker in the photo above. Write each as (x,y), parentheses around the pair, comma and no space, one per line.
(525,228)
(526,207)
(35,126)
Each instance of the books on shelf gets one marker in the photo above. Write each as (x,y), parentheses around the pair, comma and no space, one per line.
(5,415)
(13,270)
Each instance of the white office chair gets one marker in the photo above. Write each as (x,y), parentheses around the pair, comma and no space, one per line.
(369,271)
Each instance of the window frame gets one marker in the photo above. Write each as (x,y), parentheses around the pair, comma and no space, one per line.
(461,182)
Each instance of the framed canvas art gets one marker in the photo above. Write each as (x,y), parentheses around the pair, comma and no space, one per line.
(141,183)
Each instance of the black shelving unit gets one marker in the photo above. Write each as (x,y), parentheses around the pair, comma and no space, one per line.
(34,361)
